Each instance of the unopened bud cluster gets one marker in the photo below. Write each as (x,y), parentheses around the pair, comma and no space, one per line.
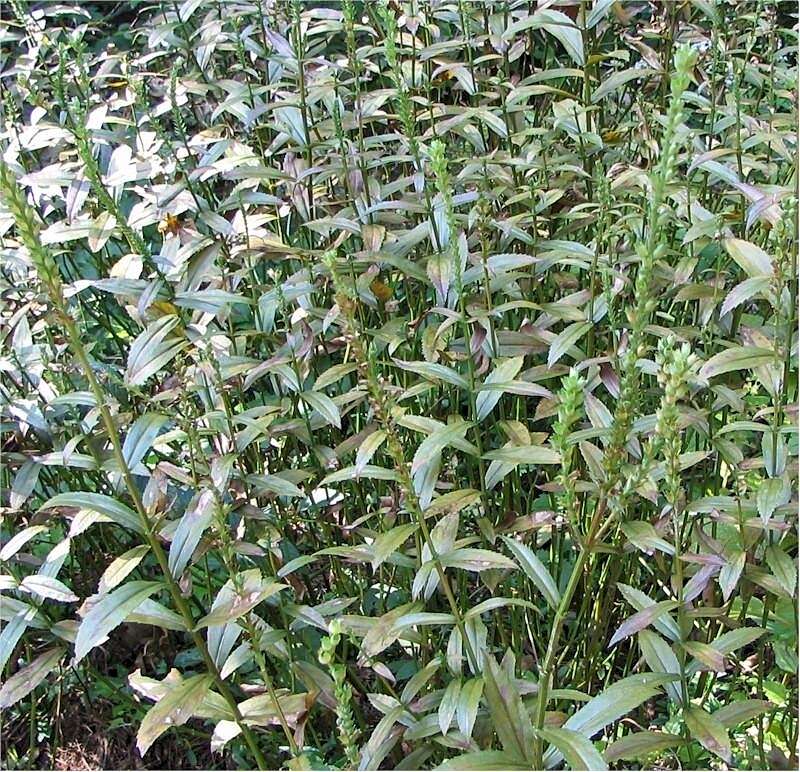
(569,411)
(403,100)
(676,368)
(28,231)
(342,691)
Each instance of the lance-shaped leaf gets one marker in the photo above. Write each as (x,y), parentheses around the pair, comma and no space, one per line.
(524,454)
(190,530)
(140,437)
(105,506)
(619,79)
(557,24)
(576,749)
(47,587)
(639,600)
(485,761)
(743,291)
(753,260)
(108,611)
(121,567)
(661,658)
(240,604)
(448,705)
(367,449)
(176,707)
(321,403)
(18,540)
(27,678)
(783,568)
(152,350)
(385,544)
(434,443)
(509,716)
(534,570)
(739,711)
(435,372)
(382,633)
(468,701)
(471,559)
(641,619)
(565,340)
(639,744)
(613,703)
(772,493)
(736,358)
(486,400)
(709,732)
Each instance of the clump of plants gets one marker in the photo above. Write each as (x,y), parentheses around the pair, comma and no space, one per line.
(399,385)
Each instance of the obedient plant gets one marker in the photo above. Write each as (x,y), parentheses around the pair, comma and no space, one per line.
(399,385)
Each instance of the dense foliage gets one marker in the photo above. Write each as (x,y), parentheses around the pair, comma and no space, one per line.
(401,384)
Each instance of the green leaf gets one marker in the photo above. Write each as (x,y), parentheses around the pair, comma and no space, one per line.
(736,358)
(27,678)
(152,350)
(565,340)
(175,708)
(109,610)
(333,374)
(452,502)
(141,436)
(644,536)
(661,658)
(12,632)
(709,732)
(557,24)
(737,712)
(613,703)
(210,301)
(368,448)
(471,559)
(241,604)
(743,291)
(324,405)
(18,540)
(730,642)
(524,454)
(486,400)
(639,744)
(468,701)
(435,372)
(483,760)
(121,567)
(509,716)
(534,570)
(576,749)
(707,655)
(47,587)
(190,530)
(103,505)
(753,260)
(783,568)
(614,81)
(369,472)
(599,11)
(772,493)
(150,612)
(385,544)
(434,443)
(642,619)
(448,705)
(274,483)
